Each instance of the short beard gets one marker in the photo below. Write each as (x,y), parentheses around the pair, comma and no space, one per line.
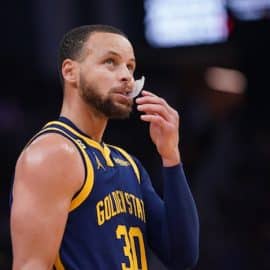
(103,105)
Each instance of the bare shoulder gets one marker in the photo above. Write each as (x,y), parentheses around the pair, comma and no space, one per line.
(48,174)
(51,161)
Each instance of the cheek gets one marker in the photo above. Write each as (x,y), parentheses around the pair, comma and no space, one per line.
(105,74)
(98,77)
(105,78)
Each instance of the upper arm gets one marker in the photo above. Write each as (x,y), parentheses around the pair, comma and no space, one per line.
(48,173)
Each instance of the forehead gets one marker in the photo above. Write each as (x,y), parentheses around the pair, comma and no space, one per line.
(100,43)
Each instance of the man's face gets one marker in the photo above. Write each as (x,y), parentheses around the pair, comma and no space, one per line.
(106,74)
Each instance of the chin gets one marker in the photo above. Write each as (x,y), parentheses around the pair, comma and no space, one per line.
(120,112)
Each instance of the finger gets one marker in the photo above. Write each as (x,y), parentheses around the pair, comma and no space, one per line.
(155,109)
(145,93)
(148,93)
(157,100)
(155,119)
(151,99)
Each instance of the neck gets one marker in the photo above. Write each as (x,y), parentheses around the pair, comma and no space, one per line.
(87,119)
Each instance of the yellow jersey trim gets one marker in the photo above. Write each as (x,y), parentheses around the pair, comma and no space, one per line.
(130,160)
(105,151)
(58,263)
(89,180)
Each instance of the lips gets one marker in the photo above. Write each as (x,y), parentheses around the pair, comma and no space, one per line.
(122,91)
(121,96)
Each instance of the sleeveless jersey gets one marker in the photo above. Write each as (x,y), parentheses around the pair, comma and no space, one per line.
(106,225)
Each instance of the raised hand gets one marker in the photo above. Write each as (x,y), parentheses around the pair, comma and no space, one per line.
(164,126)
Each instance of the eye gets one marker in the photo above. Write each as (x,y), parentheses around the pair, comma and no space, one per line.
(110,61)
(131,67)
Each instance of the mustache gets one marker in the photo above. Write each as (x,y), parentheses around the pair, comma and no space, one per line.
(122,89)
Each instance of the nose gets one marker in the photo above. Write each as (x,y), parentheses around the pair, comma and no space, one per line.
(125,74)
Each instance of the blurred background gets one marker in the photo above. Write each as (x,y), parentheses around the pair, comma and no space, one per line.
(209,59)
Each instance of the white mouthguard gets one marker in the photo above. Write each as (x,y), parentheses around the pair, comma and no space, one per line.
(137,87)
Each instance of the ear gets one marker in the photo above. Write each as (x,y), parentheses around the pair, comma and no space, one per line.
(69,70)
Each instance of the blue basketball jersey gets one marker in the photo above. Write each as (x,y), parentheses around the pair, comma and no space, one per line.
(106,226)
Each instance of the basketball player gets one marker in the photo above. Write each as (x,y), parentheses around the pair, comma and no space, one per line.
(79,203)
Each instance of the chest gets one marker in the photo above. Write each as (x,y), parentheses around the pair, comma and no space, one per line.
(117,177)
(116,192)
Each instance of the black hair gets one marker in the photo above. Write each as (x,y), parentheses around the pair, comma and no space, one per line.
(73,41)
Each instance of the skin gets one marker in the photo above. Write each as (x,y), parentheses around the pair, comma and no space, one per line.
(42,196)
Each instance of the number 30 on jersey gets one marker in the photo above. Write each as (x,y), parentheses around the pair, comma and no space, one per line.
(130,237)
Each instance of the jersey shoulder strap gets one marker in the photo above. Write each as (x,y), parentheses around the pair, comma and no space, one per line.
(129,159)
(87,186)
